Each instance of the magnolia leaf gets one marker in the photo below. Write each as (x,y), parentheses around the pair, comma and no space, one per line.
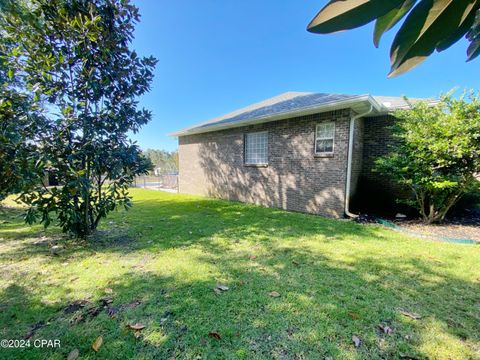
(73,355)
(390,19)
(385,329)
(411,315)
(353,315)
(473,50)
(461,31)
(221,287)
(356,341)
(97,344)
(215,335)
(136,326)
(429,23)
(274,294)
(340,15)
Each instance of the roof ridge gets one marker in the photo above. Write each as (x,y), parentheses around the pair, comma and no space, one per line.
(257,105)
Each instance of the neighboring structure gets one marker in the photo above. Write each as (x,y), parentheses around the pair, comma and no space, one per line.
(297,151)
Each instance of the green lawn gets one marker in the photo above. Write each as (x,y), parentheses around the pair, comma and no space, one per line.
(159,263)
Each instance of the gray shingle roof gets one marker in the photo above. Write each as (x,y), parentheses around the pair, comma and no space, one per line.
(291,103)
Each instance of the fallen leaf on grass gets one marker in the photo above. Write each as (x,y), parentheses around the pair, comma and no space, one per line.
(356,341)
(97,344)
(108,291)
(73,355)
(274,294)
(407,356)
(131,305)
(252,257)
(385,329)
(215,335)
(353,315)
(137,326)
(411,315)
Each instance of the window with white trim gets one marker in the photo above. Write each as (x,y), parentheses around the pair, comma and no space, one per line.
(256,148)
(324,138)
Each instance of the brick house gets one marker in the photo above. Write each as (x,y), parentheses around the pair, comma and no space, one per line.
(297,151)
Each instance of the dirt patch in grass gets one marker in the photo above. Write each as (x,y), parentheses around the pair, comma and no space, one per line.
(113,237)
(463,226)
(454,231)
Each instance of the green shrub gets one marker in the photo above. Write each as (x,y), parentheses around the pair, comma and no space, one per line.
(437,153)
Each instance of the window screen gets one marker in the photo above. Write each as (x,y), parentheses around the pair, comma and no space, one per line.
(256,148)
(324,138)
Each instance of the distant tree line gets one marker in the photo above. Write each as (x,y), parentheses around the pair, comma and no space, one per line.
(164,162)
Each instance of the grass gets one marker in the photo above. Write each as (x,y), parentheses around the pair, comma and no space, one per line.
(159,263)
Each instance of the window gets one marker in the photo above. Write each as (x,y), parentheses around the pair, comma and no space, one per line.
(324,138)
(256,145)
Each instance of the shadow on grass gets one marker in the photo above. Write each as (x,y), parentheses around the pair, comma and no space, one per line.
(323,301)
(177,223)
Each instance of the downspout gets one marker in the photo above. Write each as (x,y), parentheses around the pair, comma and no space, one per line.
(349,161)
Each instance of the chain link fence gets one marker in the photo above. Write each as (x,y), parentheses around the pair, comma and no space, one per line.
(165,182)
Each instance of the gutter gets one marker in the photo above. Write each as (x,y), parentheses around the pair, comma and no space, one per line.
(349,160)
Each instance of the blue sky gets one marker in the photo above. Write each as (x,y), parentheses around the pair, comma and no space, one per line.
(216,56)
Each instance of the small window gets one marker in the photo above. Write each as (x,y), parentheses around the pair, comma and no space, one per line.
(324,138)
(256,148)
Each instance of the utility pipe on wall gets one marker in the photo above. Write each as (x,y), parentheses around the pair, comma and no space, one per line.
(349,161)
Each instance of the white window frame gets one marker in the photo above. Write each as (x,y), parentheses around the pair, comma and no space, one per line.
(317,138)
(245,148)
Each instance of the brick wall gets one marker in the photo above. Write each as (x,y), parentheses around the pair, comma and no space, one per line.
(357,154)
(377,140)
(376,192)
(295,179)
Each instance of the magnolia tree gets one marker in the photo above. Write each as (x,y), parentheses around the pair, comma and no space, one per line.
(437,153)
(21,122)
(76,57)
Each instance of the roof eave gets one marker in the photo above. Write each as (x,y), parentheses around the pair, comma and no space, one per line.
(354,103)
(389,110)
